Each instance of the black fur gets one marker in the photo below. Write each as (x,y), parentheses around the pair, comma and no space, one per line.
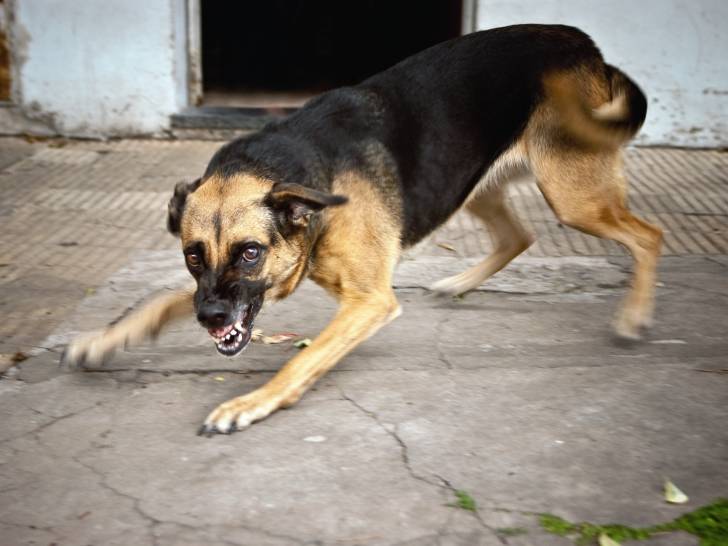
(437,119)
(176,205)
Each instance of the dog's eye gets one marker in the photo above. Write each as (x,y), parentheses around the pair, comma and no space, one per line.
(251,254)
(193,260)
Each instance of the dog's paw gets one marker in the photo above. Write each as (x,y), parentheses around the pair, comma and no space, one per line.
(455,285)
(630,323)
(238,413)
(88,351)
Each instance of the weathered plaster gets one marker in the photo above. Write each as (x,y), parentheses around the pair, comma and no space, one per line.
(674,49)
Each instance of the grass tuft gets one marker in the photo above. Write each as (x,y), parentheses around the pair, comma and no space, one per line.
(709,523)
(464,501)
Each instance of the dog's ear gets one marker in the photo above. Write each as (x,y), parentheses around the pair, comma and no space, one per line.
(296,203)
(176,205)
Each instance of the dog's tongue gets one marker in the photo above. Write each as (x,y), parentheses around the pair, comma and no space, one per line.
(220,332)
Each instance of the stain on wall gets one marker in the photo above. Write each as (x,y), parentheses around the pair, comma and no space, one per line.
(5,82)
(98,69)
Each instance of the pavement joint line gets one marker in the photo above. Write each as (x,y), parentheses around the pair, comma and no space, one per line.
(713,260)
(173,371)
(253,371)
(698,288)
(484,289)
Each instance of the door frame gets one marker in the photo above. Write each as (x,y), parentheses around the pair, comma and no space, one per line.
(470,16)
(194,52)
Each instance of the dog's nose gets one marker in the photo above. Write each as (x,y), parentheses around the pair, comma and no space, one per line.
(212,315)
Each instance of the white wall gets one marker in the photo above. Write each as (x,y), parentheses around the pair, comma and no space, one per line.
(100,67)
(677,50)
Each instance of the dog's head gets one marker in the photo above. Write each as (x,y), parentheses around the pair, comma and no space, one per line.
(245,239)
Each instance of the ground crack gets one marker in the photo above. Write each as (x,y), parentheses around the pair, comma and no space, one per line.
(442,484)
(476,512)
(47,529)
(404,452)
(154,522)
(37,430)
(135,502)
(438,344)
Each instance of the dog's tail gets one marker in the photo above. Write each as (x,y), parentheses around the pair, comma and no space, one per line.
(609,125)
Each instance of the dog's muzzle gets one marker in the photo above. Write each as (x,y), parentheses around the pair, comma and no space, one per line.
(233,338)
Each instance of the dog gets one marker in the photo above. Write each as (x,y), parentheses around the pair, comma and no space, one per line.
(337,190)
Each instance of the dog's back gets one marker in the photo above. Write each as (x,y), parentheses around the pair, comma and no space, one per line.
(448,126)
(338,189)
(429,128)
(455,107)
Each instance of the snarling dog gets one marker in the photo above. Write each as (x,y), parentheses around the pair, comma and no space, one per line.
(336,191)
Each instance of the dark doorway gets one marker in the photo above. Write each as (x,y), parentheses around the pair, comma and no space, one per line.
(280,52)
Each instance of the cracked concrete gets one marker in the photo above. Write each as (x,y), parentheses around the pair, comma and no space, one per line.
(517,394)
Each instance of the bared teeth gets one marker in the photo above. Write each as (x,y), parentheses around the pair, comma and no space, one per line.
(230,337)
(236,334)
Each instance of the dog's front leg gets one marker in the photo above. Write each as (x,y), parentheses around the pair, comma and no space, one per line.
(94,348)
(357,319)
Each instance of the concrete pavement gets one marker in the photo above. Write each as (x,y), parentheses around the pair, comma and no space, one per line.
(74,212)
(517,395)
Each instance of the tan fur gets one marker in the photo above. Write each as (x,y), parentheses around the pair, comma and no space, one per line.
(509,239)
(96,347)
(588,191)
(237,201)
(507,167)
(585,187)
(355,260)
(584,101)
(358,244)
(487,203)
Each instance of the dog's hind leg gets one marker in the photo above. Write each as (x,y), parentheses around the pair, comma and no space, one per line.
(509,239)
(94,348)
(587,191)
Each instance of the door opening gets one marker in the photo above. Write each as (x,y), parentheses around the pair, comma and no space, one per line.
(279,53)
